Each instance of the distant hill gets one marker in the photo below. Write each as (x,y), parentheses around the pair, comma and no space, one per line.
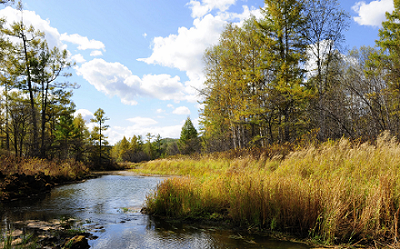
(168,141)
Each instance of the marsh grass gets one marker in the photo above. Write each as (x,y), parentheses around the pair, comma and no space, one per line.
(335,192)
(23,177)
(66,169)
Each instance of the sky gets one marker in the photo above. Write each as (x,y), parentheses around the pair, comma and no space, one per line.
(141,61)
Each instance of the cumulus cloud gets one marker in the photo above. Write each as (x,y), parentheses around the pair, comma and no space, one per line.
(185,49)
(373,13)
(182,110)
(83,42)
(142,122)
(96,53)
(78,58)
(200,9)
(115,79)
(52,35)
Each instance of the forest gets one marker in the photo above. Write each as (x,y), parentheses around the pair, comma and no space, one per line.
(276,79)
(288,75)
(272,80)
(298,134)
(37,114)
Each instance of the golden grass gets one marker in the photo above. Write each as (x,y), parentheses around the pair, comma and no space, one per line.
(66,169)
(335,192)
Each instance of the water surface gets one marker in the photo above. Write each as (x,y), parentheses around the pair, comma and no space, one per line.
(110,206)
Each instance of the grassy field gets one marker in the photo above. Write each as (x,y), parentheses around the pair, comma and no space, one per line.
(335,192)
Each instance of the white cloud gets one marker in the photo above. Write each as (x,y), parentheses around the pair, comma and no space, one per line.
(160,111)
(52,35)
(96,53)
(182,110)
(200,9)
(115,79)
(78,58)
(83,42)
(144,35)
(373,13)
(185,49)
(142,122)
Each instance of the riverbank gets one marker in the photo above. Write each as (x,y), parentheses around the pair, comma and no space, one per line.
(64,233)
(334,193)
(22,178)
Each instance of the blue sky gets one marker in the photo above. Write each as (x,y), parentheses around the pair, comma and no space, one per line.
(141,61)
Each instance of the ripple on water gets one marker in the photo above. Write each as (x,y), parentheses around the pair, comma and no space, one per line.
(110,204)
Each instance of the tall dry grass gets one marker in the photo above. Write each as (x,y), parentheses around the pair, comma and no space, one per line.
(63,170)
(335,192)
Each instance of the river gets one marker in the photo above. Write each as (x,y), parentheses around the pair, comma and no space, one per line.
(111,204)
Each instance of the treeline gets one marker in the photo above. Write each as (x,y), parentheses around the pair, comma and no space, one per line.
(37,114)
(274,79)
(136,149)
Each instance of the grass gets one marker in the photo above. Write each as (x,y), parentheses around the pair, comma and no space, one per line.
(68,169)
(21,177)
(335,192)
(27,241)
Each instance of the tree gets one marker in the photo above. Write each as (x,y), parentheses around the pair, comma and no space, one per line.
(188,141)
(98,131)
(386,62)
(19,114)
(232,115)
(123,149)
(48,66)
(285,52)
(149,145)
(81,136)
(324,33)
(64,135)
(30,42)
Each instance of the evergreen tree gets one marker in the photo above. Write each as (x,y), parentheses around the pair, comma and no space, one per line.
(286,50)
(81,135)
(123,149)
(188,141)
(98,131)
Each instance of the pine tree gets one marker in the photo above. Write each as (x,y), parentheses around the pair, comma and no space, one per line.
(282,32)
(188,141)
(100,119)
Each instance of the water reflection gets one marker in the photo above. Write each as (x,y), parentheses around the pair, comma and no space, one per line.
(110,206)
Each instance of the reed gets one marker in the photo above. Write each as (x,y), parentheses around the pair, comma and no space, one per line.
(334,192)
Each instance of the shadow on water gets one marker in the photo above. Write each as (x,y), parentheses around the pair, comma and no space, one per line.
(109,207)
